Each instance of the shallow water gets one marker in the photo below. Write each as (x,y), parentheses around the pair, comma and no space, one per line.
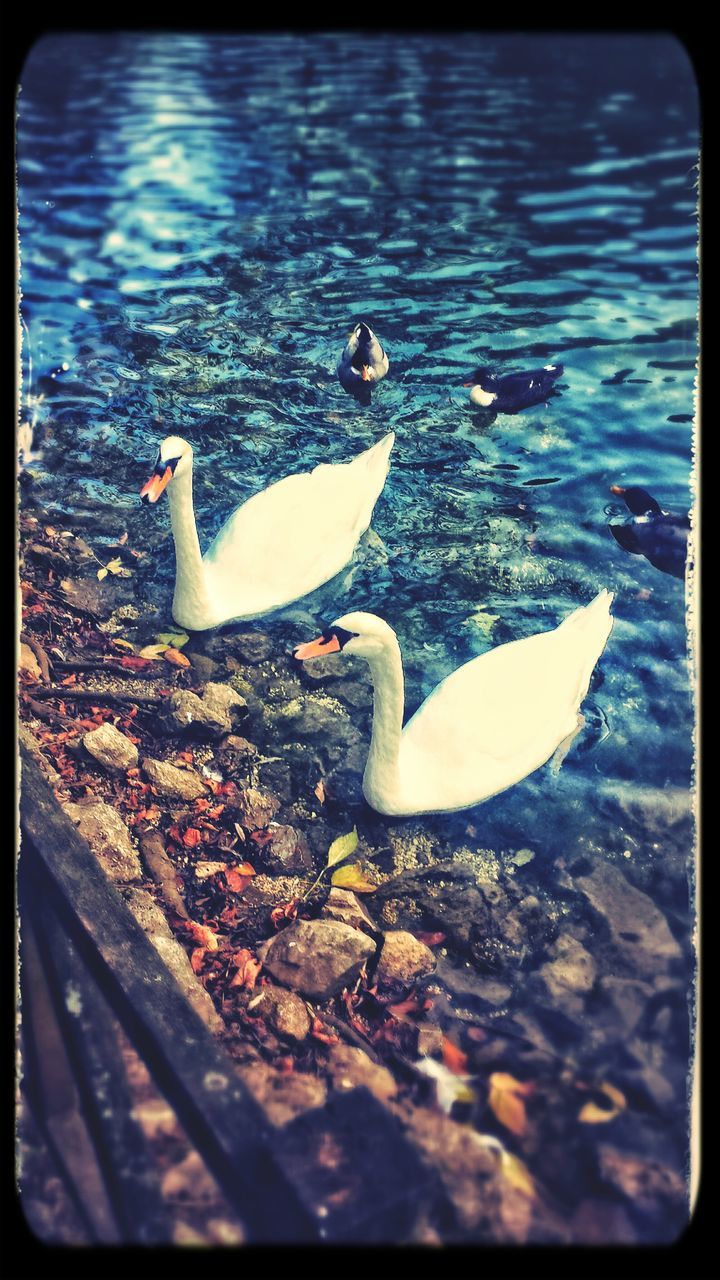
(202,218)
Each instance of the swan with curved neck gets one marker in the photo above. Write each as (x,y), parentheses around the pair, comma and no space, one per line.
(278,546)
(486,726)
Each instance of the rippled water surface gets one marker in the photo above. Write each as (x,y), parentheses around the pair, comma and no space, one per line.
(203,217)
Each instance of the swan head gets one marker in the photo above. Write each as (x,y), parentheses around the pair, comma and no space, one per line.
(174,458)
(361,634)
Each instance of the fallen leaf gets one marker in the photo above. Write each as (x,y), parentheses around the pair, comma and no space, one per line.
(192,837)
(517,1174)
(323,1033)
(592,1113)
(505,1100)
(122,539)
(152,651)
(203,935)
(197,959)
(176,658)
(102,573)
(205,869)
(430,939)
(176,639)
(284,911)
(351,877)
(341,848)
(123,644)
(113,566)
(248,968)
(455,1060)
(236,882)
(320,791)
(450,1088)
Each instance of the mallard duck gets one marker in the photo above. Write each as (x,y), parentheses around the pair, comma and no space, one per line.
(278,546)
(660,537)
(362,363)
(486,726)
(514,391)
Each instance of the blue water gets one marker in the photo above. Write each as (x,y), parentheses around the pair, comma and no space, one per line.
(203,217)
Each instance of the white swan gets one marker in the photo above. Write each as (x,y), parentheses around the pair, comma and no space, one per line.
(278,546)
(486,726)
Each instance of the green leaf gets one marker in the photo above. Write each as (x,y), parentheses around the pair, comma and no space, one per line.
(351,877)
(341,848)
(176,639)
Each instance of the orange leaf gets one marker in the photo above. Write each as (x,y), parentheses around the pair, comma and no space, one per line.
(203,935)
(455,1060)
(321,1032)
(176,658)
(192,837)
(135,664)
(506,1101)
(285,911)
(197,959)
(248,968)
(320,791)
(235,882)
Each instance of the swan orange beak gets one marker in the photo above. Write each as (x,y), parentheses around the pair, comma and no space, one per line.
(158,481)
(317,648)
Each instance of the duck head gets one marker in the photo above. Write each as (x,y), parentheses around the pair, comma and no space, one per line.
(359,350)
(174,458)
(637,500)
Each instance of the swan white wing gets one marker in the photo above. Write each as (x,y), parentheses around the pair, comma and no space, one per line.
(503,714)
(296,534)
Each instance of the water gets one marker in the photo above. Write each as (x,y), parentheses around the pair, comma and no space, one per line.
(203,217)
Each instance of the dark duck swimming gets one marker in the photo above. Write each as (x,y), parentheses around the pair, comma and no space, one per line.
(515,391)
(660,537)
(362,363)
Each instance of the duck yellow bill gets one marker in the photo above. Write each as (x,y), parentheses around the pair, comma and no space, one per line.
(317,648)
(616,488)
(365,373)
(158,481)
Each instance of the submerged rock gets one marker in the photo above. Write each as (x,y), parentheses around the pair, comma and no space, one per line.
(570,975)
(215,713)
(403,959)
(317,957)
(108,838)
(111,748)
(638,931)
(168,780)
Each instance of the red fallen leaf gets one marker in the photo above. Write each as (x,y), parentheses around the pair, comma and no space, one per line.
(286,911)
(136,664)
(455,1060)
(413,1004)
(176,658)
(248,968)
(321,1032)
(71,679)
(192,838)
(261,838)
(175,833)
(235,882)
(132,773)
(203,935)
(197,958)
(430,939)
(215,811)
(476,1033)
(186,755)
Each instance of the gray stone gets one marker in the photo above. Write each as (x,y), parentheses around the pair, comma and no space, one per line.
(350,1068)
(111,748)
(403,959)
(282,1096)
(628,998)
(317,957)
(254,647)
(572,972)
(168,780)
(639,932)
(28,662)
(108,838)
(288,851)
(150,916)
(215,713)
(345,906)
(255,808)
(283,1011)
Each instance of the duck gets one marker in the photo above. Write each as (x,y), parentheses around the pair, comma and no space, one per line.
(660,537)
(362,363)
(279,545)
(486,726)
(515,391)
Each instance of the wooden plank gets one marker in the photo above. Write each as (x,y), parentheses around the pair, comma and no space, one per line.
(219,1115)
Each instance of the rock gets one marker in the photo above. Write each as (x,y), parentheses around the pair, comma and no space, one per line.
(254,647)
(215,713)
(628,999)
(345,906)
(168,780)
(647,1183)
(283,1096)
(203,668)
(108,837)
(288,851)
(598,1222)
(152,919)
(350,1067)
(333,666)
(571,974)
(639,932)
(190,1180)
(32,746)
(111,748)
(235,754)
(283,1011)
(255,808)
(403,959)
(317,957)
(100,599)
(28,662)
(468,1170)
(316,719)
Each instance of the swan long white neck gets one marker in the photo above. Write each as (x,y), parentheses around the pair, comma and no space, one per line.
(382,768)
(191,602)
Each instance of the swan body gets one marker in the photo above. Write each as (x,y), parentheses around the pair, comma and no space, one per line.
(660,537)
(515,391)
(278,546)
(362,363)
(486,726)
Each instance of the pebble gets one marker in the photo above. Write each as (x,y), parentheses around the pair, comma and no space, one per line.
(112,749)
